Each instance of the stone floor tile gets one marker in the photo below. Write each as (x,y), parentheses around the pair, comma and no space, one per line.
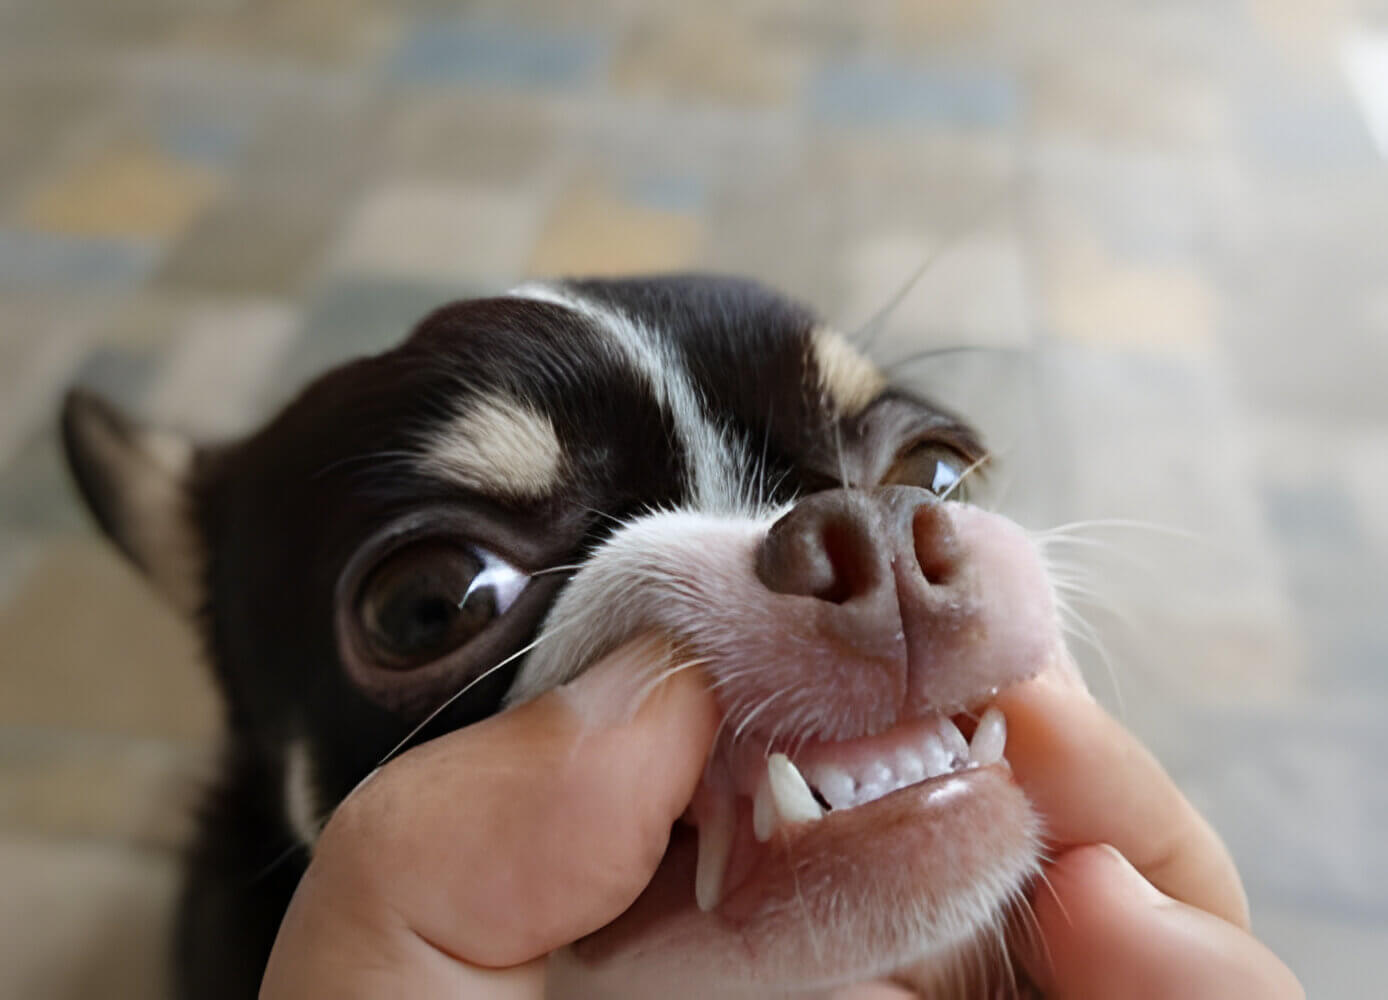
(71,784)
(441,234)
(214,374)
(497,141)
(867,93)
(701,54)
(493,54)
(250,244)
(124,192)
(36,260)
(78,606)
(590,231)
(83,920)
(350,317)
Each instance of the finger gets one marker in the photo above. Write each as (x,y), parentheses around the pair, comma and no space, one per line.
(1109,933)
(1093,782)
(497,843)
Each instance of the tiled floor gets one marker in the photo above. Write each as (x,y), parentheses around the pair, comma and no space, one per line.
(1169,217)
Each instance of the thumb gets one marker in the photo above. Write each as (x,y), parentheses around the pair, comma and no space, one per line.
(1107,932)
(492,845)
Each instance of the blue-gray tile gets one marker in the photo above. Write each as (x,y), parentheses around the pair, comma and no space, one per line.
(489,54)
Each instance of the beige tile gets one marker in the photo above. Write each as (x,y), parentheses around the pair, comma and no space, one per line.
(68,784)
(88,646)
(702,55)
(972,291)
(127,191)
(80,921)
(317,33)
(592,232)
(1097,299)
(440,232)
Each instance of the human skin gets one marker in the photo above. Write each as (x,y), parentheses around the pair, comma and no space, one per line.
(524,835)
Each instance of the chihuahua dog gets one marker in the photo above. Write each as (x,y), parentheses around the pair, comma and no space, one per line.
(424,537)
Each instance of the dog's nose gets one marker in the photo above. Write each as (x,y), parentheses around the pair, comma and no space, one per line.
(872,552)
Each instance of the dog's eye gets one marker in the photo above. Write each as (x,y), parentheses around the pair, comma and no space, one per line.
(430,598)
(935,467)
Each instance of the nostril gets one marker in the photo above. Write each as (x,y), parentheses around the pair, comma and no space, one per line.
(851,574)
(827,548)
(936,549)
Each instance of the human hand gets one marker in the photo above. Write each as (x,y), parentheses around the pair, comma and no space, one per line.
(1142,899)
(387,909)
(545,842)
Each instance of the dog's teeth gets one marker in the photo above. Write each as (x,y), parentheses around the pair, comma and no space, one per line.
(763,812)
(835,784)
(989,738)
(794,801)
(716,829)
(954,743)
(911,768)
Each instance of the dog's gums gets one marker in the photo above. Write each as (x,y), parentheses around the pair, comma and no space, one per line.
(527,483)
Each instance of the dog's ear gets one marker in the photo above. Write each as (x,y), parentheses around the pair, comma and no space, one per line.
(136,481)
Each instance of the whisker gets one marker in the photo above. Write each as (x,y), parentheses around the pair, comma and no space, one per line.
(606,516)
(284,856)
(388,454)
(973,467)
(460,692)
(1130,524)
(567,568)
(1077,627)
(894,367)
(838,447)
(866,335)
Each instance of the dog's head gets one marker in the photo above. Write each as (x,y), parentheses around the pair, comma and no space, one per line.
(468,520)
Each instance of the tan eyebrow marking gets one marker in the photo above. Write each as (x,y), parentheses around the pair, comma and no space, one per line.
(849,380)
(498,445)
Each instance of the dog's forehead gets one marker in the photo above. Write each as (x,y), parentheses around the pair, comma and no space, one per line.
(514,397)
(611,395)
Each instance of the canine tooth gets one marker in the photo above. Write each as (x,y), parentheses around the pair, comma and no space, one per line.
(715,843)
(955,745)
(989,738)
(763,812)
(794,801)
(835,784)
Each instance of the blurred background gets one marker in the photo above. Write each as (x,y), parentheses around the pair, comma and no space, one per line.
(1170,221)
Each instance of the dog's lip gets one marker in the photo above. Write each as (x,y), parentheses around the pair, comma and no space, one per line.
(938,758)
(931,842)
(760,870)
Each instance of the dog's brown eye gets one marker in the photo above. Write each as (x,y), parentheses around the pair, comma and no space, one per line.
(430,598)
(935,467)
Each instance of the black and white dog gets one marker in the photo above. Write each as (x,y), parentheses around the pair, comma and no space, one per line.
(524,483)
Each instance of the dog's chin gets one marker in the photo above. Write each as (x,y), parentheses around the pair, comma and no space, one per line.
(908,885)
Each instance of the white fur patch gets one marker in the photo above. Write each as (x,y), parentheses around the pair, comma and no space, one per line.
(849,380)
(712,465)
(663,570)
(498,445)
(300,800)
